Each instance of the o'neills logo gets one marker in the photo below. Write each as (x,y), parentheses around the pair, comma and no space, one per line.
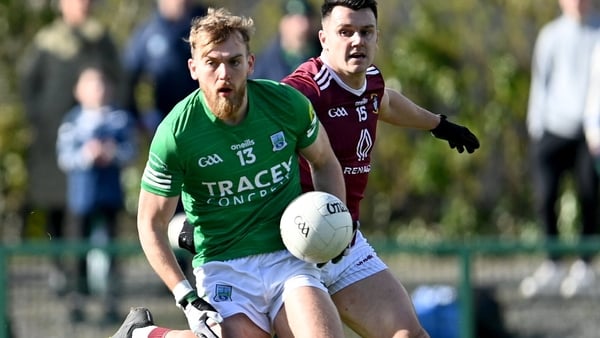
(247,143)
(336,207)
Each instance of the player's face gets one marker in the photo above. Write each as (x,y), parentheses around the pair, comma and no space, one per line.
(349,40)
(222,73)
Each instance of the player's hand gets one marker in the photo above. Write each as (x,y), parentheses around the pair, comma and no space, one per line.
(458,137)
(346,251)
(201,316)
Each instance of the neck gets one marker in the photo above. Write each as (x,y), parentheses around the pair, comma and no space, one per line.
(353,80)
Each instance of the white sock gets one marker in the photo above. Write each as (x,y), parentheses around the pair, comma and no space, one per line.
(142,332)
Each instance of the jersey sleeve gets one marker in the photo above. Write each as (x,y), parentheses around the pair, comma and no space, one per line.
(302,82)
(307,118)
(163,174)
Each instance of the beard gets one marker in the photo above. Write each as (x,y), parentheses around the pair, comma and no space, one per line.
(225,107)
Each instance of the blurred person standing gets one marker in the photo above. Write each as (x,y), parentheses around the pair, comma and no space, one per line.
(555,122)
(95,141)
(296,41)
(157,53)
(48,73)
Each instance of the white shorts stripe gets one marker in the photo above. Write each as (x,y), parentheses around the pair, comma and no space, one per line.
(361,262)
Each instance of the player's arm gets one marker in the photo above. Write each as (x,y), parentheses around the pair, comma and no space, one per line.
(398,110)
(154,214)
(325,168)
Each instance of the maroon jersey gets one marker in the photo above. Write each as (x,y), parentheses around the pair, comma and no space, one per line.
(350,119)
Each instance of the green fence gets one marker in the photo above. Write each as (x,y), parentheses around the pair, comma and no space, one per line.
(465,265)
(467,251)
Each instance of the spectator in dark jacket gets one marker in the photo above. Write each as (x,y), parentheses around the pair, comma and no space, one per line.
(158,53)
(296,41)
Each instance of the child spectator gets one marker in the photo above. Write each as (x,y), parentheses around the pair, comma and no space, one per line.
(95,141)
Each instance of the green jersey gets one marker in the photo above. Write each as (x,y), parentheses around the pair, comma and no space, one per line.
(234,181)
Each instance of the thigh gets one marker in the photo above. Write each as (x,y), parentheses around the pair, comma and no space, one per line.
(240,325)
(234,288)
(308,312)
(378,306)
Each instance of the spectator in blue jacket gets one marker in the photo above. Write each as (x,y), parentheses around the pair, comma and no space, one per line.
(95,141)
(157,54)
(296,41)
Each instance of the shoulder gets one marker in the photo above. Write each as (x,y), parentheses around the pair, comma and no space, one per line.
(373,71)
(309,78)
(374,78)
(286,101)
(556,26)
(121,115)
(72,115)
(279,92)
(52,36)
(310,69)
(182,113)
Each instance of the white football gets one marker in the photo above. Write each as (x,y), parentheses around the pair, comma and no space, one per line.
(316,227)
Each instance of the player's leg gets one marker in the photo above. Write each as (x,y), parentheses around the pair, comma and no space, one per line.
(301,306)
(378,306)
(308,312)
(370,300)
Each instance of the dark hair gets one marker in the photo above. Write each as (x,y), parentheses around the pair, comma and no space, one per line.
(328,6)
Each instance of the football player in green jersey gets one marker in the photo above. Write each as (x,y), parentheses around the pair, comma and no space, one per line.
(230,151)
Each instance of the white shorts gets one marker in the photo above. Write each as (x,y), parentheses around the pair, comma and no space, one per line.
(255,285)
(362,261)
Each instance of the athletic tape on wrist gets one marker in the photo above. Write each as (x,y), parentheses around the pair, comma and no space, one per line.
(181,290)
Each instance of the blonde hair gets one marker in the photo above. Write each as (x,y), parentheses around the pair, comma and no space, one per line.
(216,27)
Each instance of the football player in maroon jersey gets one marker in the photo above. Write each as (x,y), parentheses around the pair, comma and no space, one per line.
(349,95)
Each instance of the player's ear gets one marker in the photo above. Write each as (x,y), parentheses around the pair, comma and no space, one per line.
(322,38)
(251,59)
(192,68)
